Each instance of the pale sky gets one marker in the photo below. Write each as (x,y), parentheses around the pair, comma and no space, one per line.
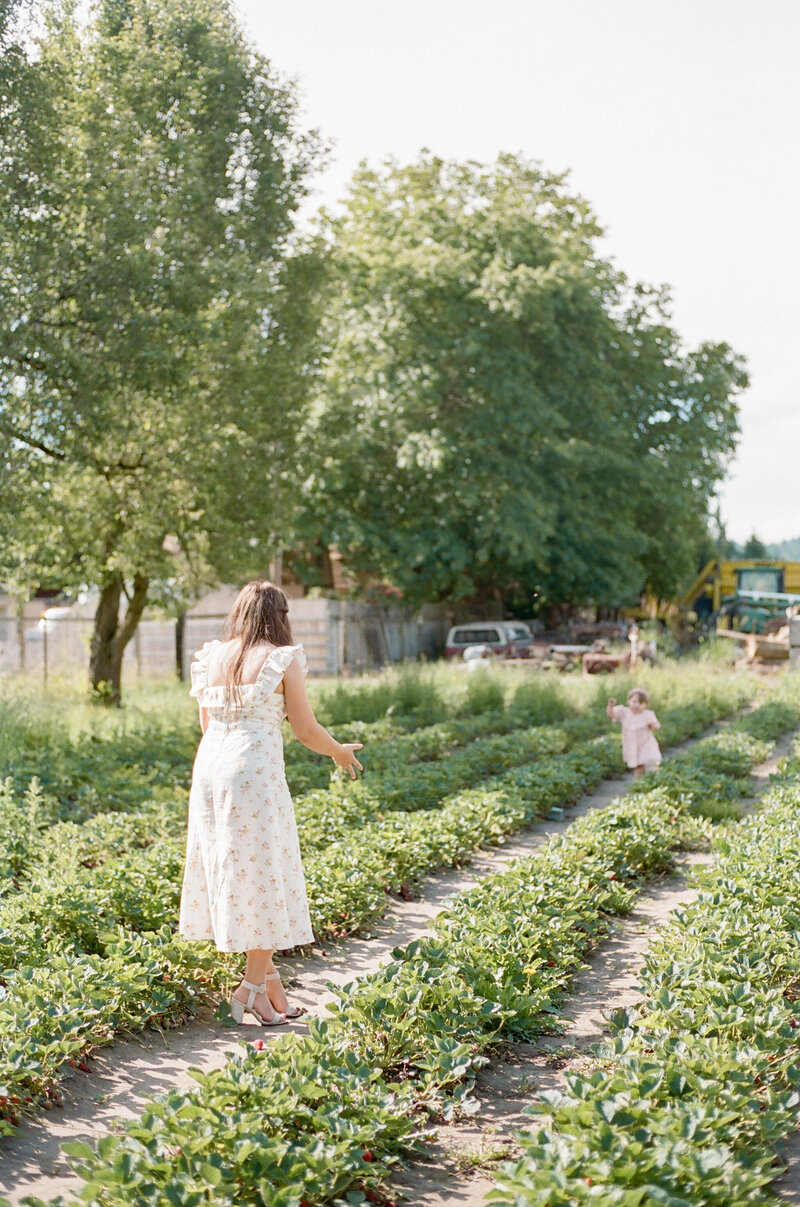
(679,120)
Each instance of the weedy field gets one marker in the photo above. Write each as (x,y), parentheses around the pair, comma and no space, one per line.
(92,825)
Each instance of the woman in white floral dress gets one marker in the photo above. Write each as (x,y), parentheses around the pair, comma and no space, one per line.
(243,885)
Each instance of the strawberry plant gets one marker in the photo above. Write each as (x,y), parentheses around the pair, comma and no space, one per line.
(691,1099)
(293,1122)
(82,907)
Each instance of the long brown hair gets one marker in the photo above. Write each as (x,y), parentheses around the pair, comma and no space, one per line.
(260,613)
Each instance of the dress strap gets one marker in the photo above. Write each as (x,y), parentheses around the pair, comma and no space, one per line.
(275,665)
(199,668)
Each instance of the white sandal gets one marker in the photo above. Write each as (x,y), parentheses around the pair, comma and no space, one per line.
(293,1011)
(239,1009)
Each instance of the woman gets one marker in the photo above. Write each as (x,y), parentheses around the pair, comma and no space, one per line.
(243,885)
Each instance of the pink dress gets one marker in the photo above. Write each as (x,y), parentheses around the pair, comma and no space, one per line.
(639,747)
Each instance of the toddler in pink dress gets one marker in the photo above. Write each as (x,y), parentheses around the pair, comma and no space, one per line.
(639,747)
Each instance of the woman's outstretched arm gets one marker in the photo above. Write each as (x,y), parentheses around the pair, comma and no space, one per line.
(307,728)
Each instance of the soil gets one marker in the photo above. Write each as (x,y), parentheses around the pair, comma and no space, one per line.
(126,1074)
(129,1072)
(455,1172)
(457,1169)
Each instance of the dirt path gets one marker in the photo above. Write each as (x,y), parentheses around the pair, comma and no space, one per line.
(126,1074)
(453,1175)
(456,1172)
(787,1186)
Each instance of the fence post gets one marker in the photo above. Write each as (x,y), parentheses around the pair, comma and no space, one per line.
(21,634)
(180,638)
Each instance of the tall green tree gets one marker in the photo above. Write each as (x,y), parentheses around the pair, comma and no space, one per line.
(157,309)
(755,547)
(501,412)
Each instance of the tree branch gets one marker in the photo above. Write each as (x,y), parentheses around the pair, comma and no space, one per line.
(30,442)
(133,612)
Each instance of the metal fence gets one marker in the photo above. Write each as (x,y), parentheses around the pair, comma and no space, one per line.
(41,648)
(337,635)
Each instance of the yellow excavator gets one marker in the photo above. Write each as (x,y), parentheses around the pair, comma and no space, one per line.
(746,595)
(748,600)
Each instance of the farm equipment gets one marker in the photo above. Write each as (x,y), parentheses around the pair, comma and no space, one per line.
(749,600)
(748,596)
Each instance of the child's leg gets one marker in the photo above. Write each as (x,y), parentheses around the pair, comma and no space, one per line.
(640,770)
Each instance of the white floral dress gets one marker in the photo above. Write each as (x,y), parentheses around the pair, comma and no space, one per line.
(243,885)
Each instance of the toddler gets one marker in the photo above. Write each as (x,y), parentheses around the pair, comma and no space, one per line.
(639,747)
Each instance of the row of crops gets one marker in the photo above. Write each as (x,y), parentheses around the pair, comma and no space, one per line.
(700,1080)
(88,907)
(690,1100)
(88,762)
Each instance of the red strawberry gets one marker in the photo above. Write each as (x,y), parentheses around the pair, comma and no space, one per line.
(367,1155)
(258,1044)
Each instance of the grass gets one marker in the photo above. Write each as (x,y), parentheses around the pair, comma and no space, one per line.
(145,749)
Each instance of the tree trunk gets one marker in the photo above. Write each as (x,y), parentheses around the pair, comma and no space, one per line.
(111,635)
(180,641)
(21,634)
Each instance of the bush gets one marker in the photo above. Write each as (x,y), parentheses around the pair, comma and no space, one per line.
(540,701)
(484,693)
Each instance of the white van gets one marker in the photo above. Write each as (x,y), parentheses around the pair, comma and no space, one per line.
(506,638)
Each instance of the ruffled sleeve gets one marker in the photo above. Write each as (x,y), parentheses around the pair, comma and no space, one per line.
(199,669)
(618,712)
(275,666)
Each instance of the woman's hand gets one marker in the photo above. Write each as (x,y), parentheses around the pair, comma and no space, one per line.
(346,757)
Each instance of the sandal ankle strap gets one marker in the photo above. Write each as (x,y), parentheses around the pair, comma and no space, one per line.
(254,992)
(272,976)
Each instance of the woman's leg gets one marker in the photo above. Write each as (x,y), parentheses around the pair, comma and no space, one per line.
(276,992)
(258,962)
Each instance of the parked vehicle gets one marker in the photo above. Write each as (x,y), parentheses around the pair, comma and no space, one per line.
(505,638)
(47,622)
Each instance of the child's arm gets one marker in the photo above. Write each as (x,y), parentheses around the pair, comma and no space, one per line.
(653,722)
(612,704)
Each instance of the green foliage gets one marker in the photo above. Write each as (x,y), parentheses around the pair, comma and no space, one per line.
(499,409)
(754,547)
(158,308)
(321,1116)
(539,701)
(409,693)
(786,550)
(83,894)
(700,1084)
(483,694)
